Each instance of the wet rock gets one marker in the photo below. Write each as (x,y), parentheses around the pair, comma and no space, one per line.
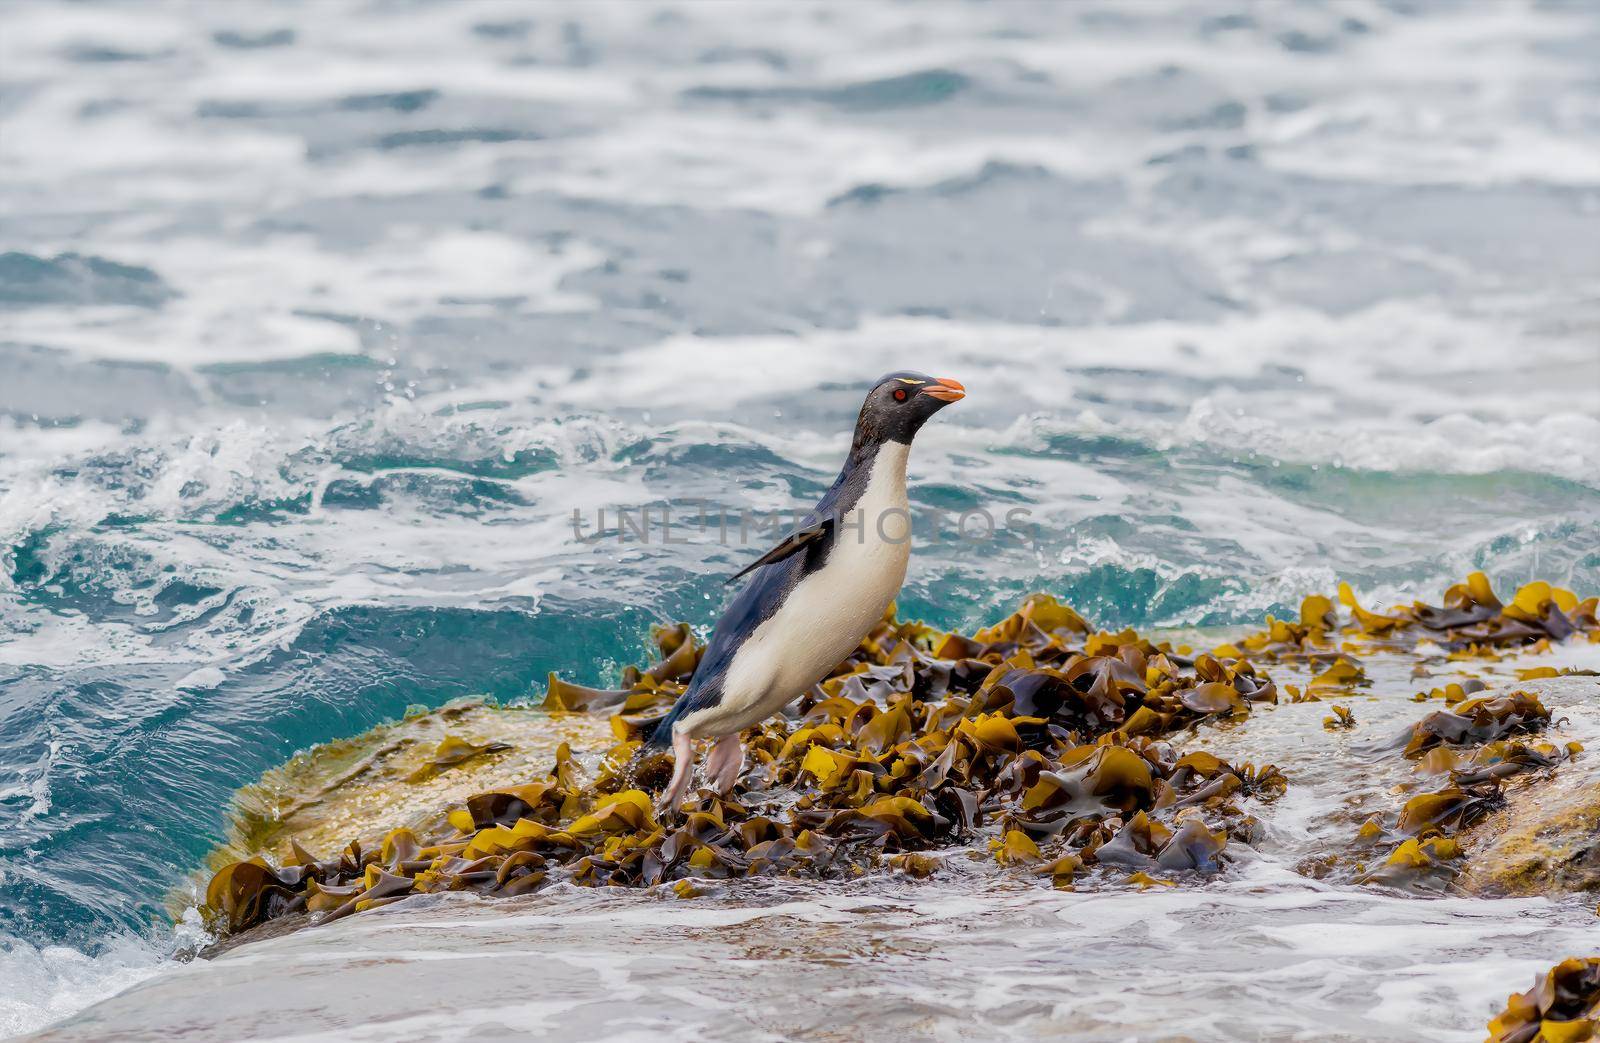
(1037,736)
(1041,741)
(1546,839)
(396,776)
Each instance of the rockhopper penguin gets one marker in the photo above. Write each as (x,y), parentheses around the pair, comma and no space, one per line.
(814,596)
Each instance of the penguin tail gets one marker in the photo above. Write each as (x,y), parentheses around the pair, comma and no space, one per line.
(659,735)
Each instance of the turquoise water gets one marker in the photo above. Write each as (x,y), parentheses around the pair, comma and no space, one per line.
(318,324)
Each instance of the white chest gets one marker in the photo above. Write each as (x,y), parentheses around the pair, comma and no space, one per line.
(830,611)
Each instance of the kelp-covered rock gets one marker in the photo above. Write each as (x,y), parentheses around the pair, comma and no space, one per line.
(1542,842)
(1035,732)
(1562,1007)
(1466,752)
(1041,745)
(1545,840)
(396,775)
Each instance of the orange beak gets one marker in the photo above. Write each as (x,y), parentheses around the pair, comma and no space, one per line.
(946,389)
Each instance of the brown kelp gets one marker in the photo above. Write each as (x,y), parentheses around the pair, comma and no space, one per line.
(1473,747)
(1545,840)
(1037,734)
(1473,621)
(1046,745)
(1562,1007)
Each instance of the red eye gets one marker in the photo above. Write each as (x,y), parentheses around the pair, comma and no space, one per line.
(899,394)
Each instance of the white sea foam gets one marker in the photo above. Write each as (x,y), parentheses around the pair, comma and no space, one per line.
(46,983)
(282,297)
(690,970)
(1425,374)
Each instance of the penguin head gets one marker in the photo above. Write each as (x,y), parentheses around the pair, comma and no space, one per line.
(900,403)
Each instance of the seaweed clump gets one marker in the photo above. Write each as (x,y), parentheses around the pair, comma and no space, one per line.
(1472,622)
(1038,742)
(1041,745)
(1562,1007)
(1475,722)
(1475,746)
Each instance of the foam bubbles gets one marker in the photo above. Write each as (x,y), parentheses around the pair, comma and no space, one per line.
(47,983)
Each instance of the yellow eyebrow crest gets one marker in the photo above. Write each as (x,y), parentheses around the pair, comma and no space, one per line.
(908,380)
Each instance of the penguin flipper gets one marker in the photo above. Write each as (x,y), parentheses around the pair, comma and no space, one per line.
(795,541)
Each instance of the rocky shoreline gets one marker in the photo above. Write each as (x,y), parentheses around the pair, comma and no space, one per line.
(1040,747)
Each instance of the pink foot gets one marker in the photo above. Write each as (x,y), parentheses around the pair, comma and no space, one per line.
(682,766)
(724,763)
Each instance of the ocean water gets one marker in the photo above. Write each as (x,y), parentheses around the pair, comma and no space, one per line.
(320,323)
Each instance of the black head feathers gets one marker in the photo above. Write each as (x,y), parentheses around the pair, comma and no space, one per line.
(899,404)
